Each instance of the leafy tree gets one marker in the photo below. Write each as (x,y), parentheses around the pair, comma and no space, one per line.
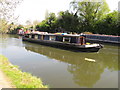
(68,21)
(118,24)
(13,28)
(51,20)
(108,25)
(84,16)
(42,26)
(89,12)
(112,21)
(3,26)
(49,24)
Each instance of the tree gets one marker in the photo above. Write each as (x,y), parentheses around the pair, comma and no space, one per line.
(47,25)
(42,26)
(7,8)
(68,21)
(51,21)
(13,28)
(89,12)
(109,24)
(3,26)
(118,24)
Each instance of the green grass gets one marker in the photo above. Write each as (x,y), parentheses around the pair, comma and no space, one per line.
(17,77)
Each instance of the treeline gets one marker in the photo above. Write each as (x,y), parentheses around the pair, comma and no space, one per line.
(83,17)
(69,22)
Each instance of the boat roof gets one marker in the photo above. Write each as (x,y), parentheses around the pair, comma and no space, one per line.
(67,35)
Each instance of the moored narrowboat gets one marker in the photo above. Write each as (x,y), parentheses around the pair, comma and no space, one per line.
(67,41)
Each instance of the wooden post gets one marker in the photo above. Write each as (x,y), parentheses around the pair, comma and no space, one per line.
(41,37)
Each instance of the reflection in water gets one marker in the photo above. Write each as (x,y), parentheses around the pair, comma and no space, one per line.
(85,73)
(7,40)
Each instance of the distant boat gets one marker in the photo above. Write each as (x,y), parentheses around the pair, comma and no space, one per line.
(103,38)
(66,41)
(20,32)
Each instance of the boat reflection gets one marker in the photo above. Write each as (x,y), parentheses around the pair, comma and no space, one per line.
(85,73)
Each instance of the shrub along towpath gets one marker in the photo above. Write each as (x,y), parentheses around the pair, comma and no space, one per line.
(12,77)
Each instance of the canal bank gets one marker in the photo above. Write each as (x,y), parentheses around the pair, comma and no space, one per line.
(12,77)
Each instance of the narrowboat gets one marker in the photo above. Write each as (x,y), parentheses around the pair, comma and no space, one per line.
(110,39)
(66,41)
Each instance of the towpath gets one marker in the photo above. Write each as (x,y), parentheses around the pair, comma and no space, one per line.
(4,81)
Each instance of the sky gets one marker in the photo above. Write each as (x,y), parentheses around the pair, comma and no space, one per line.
(35,9)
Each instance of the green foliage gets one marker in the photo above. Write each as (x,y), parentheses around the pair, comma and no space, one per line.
(49,24)
(3,26)
(85,16)
(43,26)
(68,21)
(13,29)
(89,12)
(19,79)
(72,22)
(19,27)
(108,25)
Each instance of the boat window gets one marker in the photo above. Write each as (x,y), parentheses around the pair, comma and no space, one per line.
(59,38)
(36,36)
(66,39)
(52,38)
(39,37)
(33,36)
(73,40)
(30,36)
(46,37)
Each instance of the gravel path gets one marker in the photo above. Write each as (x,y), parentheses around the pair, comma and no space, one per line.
(4,81)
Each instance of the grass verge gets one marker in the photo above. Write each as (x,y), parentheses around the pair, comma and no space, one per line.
(18,78)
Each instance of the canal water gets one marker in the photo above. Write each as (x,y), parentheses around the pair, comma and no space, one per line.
(62,68)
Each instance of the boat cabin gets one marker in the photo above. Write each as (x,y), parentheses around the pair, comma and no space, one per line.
(76,39)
